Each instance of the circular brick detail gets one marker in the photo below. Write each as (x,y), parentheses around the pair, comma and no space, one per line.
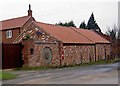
(47,54)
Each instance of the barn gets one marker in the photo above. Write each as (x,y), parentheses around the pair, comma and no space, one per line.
(52,45)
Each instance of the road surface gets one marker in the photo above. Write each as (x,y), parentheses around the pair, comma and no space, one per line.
(95,74)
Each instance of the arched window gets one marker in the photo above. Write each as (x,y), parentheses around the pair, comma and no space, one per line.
(47,54)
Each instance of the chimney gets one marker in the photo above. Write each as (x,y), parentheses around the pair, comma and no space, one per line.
(30,11)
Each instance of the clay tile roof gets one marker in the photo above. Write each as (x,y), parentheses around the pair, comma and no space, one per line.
(104,36)
(93,36)
(64,34)
(14,23)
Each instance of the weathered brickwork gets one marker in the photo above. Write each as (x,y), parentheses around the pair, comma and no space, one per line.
(103,51)
(36,59)
(76,54)
(37,42)
(55,54)
(27,45)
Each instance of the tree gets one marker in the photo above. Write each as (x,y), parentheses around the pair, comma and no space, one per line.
(118,35)
(60,23)
(71,23)
(83,25)
(92,24)
(112,32)
(67,24)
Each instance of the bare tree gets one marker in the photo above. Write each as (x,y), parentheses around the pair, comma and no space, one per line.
(112,32)
(118,33)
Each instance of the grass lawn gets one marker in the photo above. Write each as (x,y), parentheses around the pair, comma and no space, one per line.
(6,75)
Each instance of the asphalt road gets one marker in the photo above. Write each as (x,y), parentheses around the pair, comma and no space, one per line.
(96,74)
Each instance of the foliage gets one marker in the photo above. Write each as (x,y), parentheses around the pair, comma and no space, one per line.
(113,32)
(67,24)
(83,25)
(92,24)
(27,36)
(118,35)
(6,75)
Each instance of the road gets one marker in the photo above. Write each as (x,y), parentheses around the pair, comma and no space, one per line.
(95,74)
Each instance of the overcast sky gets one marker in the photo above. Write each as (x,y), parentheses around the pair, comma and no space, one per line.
(53,11)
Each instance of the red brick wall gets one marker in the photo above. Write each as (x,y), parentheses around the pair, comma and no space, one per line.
(36,59)
(103,51)
(76,54)
(45,40)
(72,54)
(15,33)
(115,52)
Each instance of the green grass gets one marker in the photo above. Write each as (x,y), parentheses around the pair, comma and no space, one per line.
(93,63)
(32,68)
(6,75)
(71,65)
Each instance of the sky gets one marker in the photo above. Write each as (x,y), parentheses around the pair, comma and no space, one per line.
(54,11)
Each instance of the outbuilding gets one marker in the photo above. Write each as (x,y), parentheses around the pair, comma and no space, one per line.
(53,45)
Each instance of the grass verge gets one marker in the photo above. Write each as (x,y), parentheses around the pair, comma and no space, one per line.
(93,63)
(70,65)
(6,75)
(32,68)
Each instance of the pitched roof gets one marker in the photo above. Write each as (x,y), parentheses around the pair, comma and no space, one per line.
(14,23)
(104,36)
(72,35)
(64,34)
(90,34)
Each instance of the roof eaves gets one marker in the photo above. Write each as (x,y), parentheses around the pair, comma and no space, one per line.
(103,43)
(78,44)
(9,29)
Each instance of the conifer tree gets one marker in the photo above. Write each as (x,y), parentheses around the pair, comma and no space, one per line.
(92,24)
(83,25)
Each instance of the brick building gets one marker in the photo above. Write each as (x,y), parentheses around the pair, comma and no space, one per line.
(52,45)
(12,28)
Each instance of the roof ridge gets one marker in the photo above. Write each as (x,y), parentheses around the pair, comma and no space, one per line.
(45,23)
(53,24)
(81,34)
(14,18)
(83,29)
